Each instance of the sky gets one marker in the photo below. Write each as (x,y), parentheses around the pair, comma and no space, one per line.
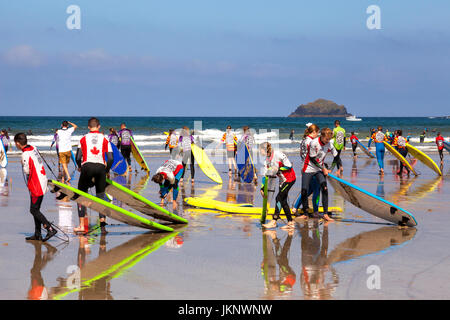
(223,58)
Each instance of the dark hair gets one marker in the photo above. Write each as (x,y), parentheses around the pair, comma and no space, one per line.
(228,127)
(64,123)
(337,122)
(112,130)
(21,138)
(93,122)
(353,132)
(400,132)
(158,178)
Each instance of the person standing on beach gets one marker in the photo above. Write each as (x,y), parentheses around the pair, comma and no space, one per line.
(36,179)
(291,135)
(64,139)
(314,167)
(440,145)
(311,132)
(339,143)
(230,140)
(378,137)
(55,142)
(4,137)
(172,143)
(168,176)
(249,140)
(125,136)
(399,143)
(354,141)
(185,141)
(277,163)
(113,137)
(90,157)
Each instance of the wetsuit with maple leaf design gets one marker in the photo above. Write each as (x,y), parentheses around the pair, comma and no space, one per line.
(90,158)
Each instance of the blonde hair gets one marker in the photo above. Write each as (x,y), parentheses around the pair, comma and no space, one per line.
(266,146)
(312,128)
(326,132)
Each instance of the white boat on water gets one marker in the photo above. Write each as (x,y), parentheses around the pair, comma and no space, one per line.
(353,118)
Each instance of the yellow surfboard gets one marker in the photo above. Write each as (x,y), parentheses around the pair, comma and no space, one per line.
(426,160)
(242,208)
(138,156)
(205,164)
(399,157)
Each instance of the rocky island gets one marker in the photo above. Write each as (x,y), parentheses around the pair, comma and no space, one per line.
(320,108)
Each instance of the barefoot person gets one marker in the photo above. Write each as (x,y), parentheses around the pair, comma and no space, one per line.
(185,141)
(311,133)
(125,136)
(90,157)
(277,163)
(339,143)
(64,139)
(399,143)
(230,140)
(168,176)
(354,141)
(314,166)
(378,137)
(172,143)
(33,168)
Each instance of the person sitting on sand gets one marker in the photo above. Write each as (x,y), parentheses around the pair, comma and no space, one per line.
(277,163)
(168,176)
(33,168)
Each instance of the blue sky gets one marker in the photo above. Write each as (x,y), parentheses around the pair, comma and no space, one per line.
(223,58)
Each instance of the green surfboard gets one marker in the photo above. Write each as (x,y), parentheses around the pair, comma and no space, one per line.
(138,202)
(264,209)
(106,208)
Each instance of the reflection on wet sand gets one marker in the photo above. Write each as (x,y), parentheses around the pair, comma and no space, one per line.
(4,187)
(318,277)
(37,290)
(274,253)
(96,274)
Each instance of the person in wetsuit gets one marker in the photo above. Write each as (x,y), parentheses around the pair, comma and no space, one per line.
(125,136)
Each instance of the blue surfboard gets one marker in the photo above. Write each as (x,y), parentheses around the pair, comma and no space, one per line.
(371,203)
(3,156)
(447,146)
(73,159)
(244,163)
(119,165)
(365,150)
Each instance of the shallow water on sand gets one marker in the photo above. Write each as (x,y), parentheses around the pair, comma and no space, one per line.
(220,256)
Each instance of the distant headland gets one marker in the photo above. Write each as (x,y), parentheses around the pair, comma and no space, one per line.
(320,108)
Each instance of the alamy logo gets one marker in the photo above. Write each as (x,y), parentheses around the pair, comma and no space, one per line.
(74,20)
(374,280)
(374,20)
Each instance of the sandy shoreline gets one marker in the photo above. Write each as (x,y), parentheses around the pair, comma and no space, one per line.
(221,256)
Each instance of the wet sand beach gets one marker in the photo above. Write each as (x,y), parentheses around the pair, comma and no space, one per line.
(223,256)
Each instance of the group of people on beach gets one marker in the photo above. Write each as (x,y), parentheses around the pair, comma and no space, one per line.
(94,158)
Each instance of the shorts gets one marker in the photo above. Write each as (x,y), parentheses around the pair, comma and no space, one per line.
(64,157)
(231,153)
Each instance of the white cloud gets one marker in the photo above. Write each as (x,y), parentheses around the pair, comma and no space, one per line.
(23,55)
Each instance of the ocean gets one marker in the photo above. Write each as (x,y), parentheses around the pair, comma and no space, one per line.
(149,131)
